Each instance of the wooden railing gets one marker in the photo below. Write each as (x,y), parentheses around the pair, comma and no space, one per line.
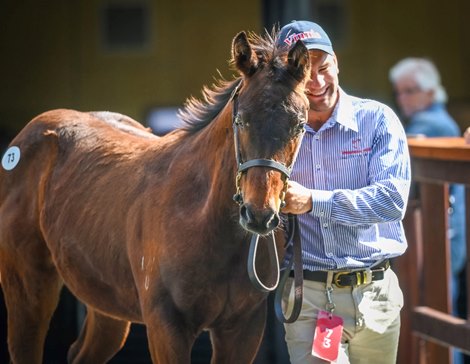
(428,329)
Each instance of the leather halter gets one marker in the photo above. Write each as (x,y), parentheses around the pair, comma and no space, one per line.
(294,239)
(258,162)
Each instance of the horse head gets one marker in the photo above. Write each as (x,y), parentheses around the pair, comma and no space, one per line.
(269,115)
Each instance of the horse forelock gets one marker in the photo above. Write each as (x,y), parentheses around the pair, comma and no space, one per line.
(272,66)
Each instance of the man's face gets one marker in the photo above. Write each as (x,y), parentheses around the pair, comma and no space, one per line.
(322,88)
(410,97)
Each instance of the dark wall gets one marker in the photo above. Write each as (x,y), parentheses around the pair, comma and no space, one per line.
(72,54)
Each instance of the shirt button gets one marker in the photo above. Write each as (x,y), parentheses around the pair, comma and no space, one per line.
(317,137)
(317,166)
(325,225)
(322,213)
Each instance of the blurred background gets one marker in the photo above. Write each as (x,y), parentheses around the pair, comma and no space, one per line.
(143,58)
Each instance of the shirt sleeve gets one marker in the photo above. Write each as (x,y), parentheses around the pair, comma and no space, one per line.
(385,197)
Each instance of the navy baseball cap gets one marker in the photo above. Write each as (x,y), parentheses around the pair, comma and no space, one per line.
(313,36)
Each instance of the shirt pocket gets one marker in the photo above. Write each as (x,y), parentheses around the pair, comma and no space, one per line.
(349,172)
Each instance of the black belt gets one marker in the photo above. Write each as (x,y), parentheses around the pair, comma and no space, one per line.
(349,278)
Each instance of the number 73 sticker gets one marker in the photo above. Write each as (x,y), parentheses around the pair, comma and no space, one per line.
(11,158)
(327,337)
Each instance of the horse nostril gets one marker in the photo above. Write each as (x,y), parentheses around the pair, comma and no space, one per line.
(273,221)
(246,214)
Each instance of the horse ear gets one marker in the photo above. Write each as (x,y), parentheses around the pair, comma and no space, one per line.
(243,55)
(298,61)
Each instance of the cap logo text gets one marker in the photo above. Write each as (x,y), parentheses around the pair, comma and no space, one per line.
(309,34)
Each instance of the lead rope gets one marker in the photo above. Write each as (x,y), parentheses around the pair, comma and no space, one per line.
(274,259)
(296,261)
(280,283)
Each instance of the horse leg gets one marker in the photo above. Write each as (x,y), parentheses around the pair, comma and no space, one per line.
(100,339)
(31,291)
(169,342)
(239,342)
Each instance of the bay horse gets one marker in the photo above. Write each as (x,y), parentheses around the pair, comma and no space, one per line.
(143,228)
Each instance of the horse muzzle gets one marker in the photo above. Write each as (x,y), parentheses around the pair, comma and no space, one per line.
(260,222)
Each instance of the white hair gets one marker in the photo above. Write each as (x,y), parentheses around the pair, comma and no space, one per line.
(424,72)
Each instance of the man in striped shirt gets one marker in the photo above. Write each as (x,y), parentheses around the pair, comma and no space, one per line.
(349,188)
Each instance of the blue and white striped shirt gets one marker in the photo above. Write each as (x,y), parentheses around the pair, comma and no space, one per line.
(358,168)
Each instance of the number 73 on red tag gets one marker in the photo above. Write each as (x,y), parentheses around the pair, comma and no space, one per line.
(327,337)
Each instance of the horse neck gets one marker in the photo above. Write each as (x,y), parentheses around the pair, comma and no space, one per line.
(212,151)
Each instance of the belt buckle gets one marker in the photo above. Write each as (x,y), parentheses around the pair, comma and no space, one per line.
(362,277)
(337,277)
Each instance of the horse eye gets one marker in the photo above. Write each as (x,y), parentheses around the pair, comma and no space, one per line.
(300,126)
(296,130)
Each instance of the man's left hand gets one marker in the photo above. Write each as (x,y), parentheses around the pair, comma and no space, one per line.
(298,199)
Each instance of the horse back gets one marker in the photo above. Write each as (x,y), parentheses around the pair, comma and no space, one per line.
(58,131)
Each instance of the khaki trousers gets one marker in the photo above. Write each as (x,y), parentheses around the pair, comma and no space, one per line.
(371,315)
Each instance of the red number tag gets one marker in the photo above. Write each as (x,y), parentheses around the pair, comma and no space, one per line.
(327,336)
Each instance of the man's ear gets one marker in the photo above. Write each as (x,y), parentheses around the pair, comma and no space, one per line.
(335,59)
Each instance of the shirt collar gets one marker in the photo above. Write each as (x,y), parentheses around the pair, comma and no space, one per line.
(344,111)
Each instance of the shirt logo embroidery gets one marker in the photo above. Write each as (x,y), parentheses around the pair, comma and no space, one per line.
(365,150)
(356,144)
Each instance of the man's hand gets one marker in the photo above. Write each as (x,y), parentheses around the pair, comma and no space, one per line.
(298,199)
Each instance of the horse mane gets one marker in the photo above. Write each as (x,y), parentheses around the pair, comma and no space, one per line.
(197,114)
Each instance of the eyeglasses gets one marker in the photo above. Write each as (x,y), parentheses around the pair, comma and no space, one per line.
(407,91)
